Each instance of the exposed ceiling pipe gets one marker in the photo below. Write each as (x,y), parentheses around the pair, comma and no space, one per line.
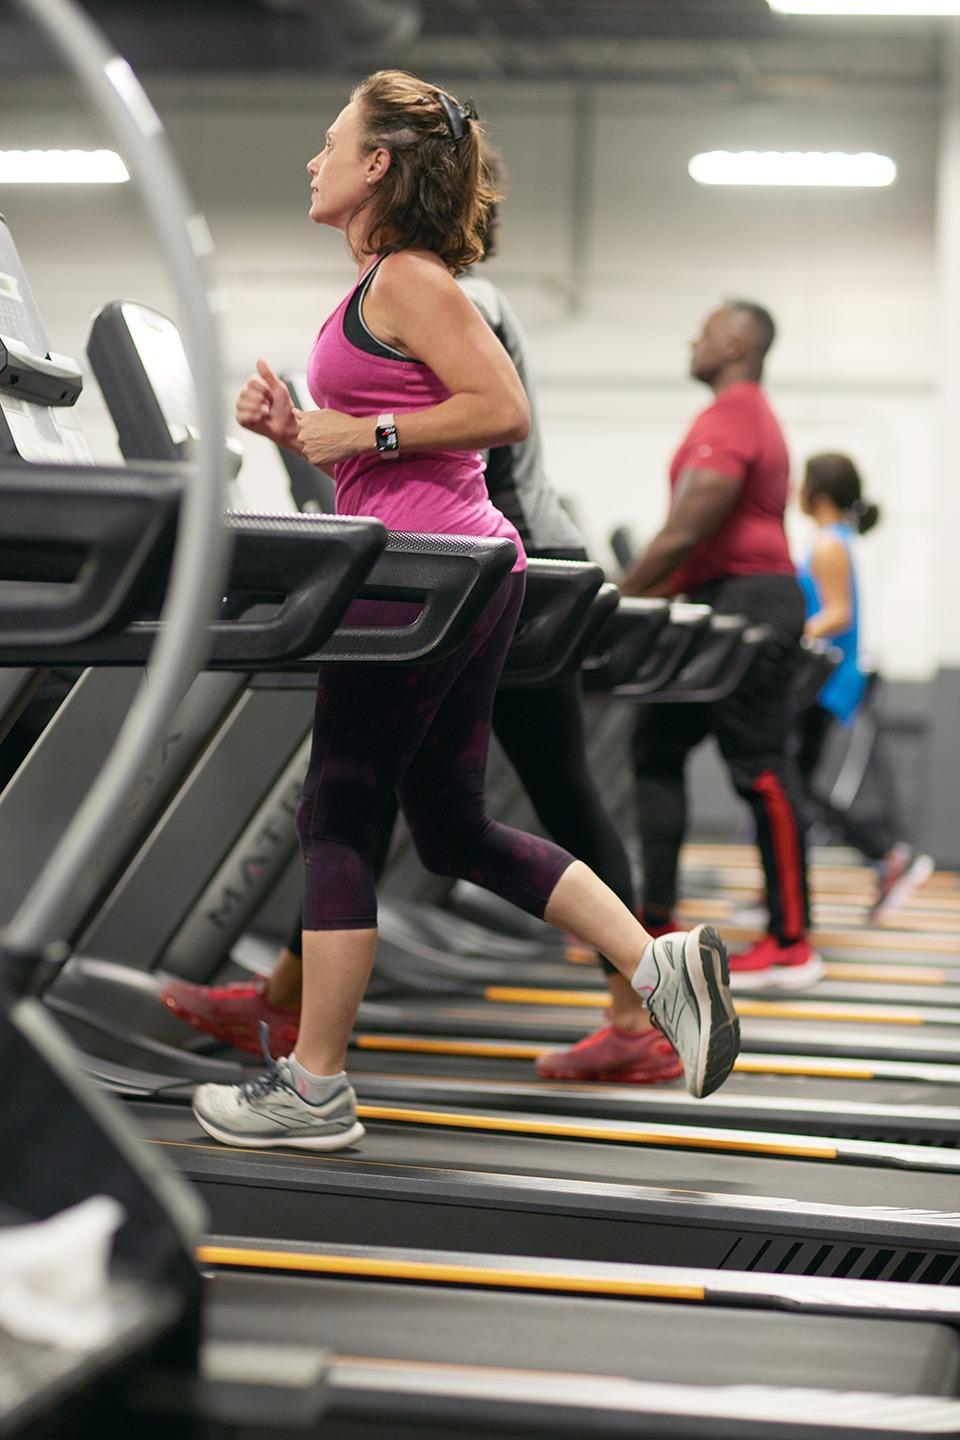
(368,30)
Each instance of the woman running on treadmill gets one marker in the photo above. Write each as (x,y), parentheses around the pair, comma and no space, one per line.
(543,734)
(832,496)
(410,383)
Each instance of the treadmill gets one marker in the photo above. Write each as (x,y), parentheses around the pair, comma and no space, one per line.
(347,1342)
(336,1340)
(133,351)
(491,1105)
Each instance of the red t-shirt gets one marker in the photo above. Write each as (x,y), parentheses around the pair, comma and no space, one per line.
(738,435)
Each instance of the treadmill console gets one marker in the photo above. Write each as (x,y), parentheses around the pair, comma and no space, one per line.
(37,388)
(142,369)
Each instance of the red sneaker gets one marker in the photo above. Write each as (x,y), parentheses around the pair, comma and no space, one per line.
(770,965)
(233,1013)
(623,1056)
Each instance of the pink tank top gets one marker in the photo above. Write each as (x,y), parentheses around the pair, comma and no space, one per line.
(437,492)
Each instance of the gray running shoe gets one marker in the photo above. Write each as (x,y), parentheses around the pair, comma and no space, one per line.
(269,1113)
(691,1004)
(898,875)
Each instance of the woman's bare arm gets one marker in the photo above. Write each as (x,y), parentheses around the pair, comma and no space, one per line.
(415,305)
(830,567)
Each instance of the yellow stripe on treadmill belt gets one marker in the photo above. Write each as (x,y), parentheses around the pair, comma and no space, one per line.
(746,1065)
(797,1010)
(424,1270)
(766,1009)
(519,995)
(415,1045)
(529,1050)
(886,974)
(877,939)
(564,1130)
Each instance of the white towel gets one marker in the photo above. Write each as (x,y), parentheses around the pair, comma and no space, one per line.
(55,1276)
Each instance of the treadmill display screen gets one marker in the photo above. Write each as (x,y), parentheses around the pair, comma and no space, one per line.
(19,316)
(165,363)
(32,432)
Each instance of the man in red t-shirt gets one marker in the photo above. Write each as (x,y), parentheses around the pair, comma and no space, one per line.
(724,544)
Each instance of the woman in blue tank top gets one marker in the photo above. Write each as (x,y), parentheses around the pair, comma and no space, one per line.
(831,496)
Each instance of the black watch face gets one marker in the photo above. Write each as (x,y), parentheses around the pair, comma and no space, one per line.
(387,440)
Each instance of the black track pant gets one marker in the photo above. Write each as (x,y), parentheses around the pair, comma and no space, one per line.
(751,729)
(542,735)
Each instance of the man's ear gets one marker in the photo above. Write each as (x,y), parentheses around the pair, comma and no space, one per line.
(736,347)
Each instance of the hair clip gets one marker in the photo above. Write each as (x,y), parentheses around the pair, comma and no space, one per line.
(458,115)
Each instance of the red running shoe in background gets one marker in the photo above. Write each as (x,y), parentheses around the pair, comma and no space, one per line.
(233,1013)
(770,965)
(621,1056)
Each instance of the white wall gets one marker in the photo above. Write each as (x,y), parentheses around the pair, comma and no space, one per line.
(610,254)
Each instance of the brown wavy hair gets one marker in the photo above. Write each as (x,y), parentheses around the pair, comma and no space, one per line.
(438,191)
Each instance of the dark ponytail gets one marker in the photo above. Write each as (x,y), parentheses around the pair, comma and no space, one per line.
(865,515)
(838,478)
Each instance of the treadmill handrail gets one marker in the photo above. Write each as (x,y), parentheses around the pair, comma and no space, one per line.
(625,642)
(312,565)
(320,561)
(817,662)
(733,662)
(453,576)
(316,598)
(78,549)
(686,623)
(605,604)
(558,607)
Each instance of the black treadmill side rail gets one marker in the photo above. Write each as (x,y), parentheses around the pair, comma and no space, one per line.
(80,552)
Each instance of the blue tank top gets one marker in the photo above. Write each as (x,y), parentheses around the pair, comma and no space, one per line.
(843,693)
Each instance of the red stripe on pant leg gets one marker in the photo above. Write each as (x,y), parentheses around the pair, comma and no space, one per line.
(786,851)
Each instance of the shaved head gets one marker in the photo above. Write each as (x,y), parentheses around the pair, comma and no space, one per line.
(732,344)
(757,324)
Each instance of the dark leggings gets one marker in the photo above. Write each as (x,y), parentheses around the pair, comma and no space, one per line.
(751,728)
(422,731)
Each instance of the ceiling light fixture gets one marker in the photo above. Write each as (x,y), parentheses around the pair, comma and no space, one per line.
(912,8)
(791,167)
(61,167)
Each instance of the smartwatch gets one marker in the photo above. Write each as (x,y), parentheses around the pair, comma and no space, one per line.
(388,444)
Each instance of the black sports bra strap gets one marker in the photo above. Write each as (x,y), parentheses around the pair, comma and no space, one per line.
(356,332)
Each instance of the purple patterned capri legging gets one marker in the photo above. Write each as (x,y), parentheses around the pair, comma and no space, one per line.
(422,731)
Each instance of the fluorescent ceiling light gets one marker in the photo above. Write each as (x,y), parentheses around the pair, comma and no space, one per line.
(791,167)
(61,167)
(913,8)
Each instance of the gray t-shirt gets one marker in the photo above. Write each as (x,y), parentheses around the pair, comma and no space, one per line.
(516,480)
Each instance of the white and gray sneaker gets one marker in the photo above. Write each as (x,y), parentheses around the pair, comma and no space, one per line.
(270,1112)
(686,979)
